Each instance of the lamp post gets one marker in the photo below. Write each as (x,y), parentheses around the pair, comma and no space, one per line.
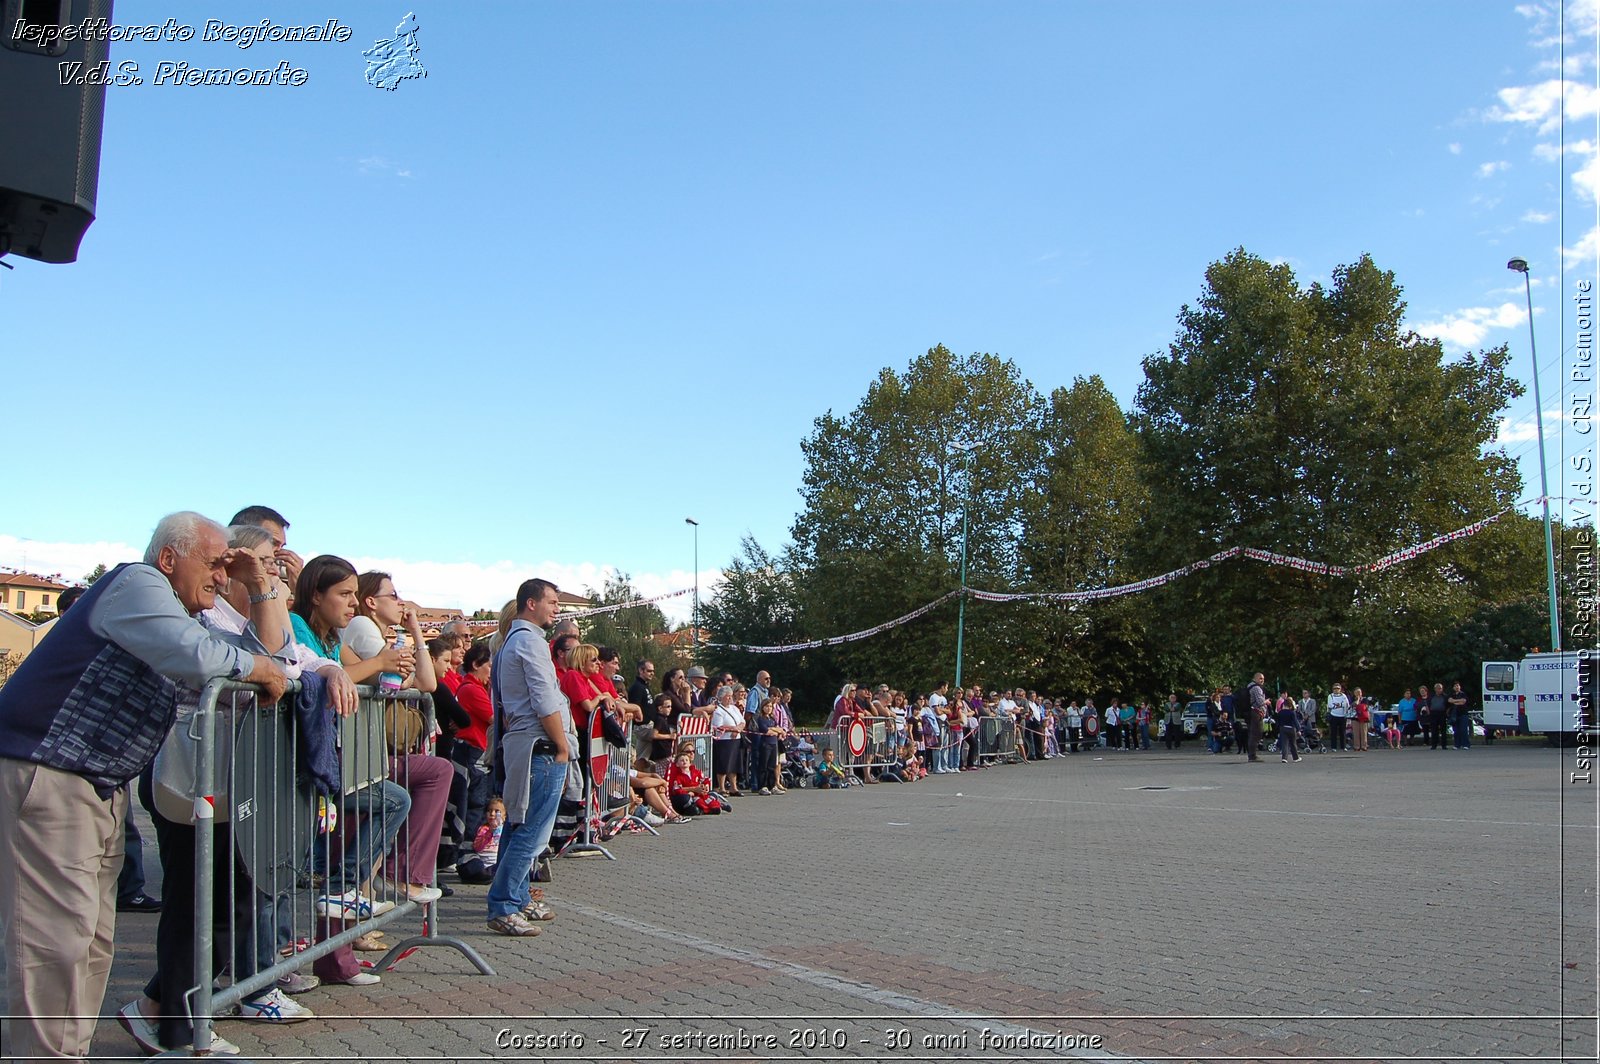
(1521,266)
(965,447)
(694,636)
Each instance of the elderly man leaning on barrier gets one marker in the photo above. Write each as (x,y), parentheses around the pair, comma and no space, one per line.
(534,727)
(85,713)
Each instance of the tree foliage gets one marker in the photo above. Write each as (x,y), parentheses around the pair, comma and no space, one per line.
(1310,422)
(630,631)
(885,491)
(1305,420)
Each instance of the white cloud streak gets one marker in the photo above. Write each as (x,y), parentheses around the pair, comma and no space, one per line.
(465,586)
(1467,327)
(1542,105)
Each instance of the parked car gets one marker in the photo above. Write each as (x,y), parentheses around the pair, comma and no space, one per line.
(1194,719)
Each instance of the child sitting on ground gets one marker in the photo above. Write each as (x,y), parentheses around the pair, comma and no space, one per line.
(1391,731)
(479,868)
(688,789)
(829,774)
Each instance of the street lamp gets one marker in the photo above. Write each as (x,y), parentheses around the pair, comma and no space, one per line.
(1521,266)
(694,636)
(965,447)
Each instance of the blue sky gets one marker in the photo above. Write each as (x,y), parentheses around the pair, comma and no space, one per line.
(601,268)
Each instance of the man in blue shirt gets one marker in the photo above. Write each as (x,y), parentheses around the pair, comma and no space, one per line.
(536,737)
(752,708)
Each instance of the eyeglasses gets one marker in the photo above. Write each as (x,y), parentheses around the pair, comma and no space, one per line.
(389,594)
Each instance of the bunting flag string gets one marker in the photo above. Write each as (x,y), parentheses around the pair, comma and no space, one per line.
(851,638)
(1268,557)
(598,610)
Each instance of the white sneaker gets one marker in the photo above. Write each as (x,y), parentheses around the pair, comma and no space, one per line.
(147,1036)
(275,1007)
(654,819)
(352,905)
(220,1046)
(423,895)
(141,1028)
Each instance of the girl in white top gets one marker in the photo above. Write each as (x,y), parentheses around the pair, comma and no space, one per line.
(426,778)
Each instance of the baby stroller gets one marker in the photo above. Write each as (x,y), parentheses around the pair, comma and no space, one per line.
(1310,735)
(799,762)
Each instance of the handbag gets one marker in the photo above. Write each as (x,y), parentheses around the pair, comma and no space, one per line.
(402,727)
(172,773)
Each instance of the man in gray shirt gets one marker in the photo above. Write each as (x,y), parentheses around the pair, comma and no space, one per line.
(536,737)
(1258,713)
(85,713)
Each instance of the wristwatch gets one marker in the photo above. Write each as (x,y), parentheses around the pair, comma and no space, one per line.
(256,600)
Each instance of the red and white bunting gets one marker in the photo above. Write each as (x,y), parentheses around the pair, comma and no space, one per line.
(1269,557)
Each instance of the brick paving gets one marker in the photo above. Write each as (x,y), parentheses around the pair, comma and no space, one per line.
(1179,906)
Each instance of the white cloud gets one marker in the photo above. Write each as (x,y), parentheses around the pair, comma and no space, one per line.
(1542,104)
(1581,22)
(377,164)
(1538,217)
(1490,169)
(1526,428)
(469,586)
(1585,251)
(465,586)
(1455,149)
(70,560)
(1467,327)
(1552,152)
(1586,179)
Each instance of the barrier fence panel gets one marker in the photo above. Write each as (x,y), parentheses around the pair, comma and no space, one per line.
(280,797)
(997,738)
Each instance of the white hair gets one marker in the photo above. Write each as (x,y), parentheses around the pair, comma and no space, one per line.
(247,537)
(180,531)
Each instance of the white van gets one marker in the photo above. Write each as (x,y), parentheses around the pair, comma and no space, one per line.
(1552,694)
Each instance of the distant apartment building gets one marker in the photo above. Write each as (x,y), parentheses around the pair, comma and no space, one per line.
(24,593)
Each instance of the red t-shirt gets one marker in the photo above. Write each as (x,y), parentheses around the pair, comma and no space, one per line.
(603,682)
(682,781)
(474,698)
(578,689)
(452,679)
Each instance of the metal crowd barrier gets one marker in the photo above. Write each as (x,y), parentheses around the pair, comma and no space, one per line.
(997,739)
(281,834)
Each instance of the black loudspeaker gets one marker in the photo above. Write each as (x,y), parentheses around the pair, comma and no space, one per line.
(53,65)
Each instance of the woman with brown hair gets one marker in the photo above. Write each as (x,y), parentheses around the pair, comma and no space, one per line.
(426,778)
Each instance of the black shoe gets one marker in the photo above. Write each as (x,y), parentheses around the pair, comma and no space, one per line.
(446,892)
(139,903)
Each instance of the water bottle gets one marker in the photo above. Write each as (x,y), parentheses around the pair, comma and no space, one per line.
(391,682)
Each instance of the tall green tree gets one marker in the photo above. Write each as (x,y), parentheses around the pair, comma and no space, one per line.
(1081,516)
(885,488)
(631,631)
(1309,421)
(757,603)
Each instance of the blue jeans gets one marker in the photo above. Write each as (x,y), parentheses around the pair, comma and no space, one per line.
(521,844)
(1462,727)
(372,818)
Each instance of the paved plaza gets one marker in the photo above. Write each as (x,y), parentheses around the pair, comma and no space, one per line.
(1180,906)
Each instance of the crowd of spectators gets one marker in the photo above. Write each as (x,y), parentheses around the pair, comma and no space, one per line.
(494,787)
